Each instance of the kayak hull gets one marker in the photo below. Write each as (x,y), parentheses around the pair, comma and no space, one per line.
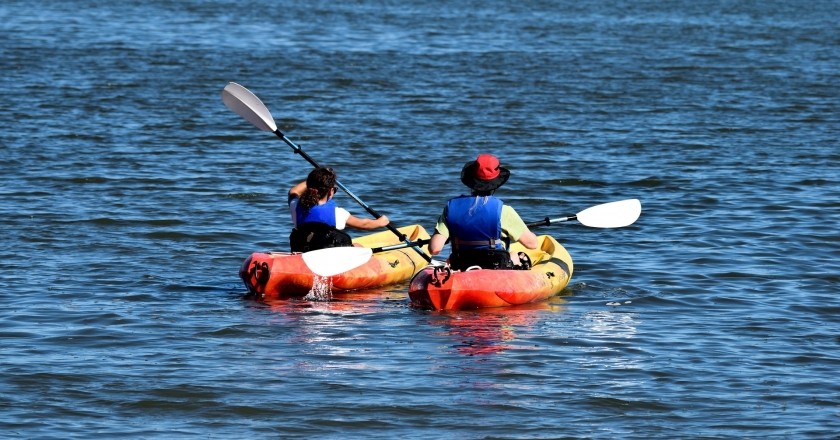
(440,289)
(285,275)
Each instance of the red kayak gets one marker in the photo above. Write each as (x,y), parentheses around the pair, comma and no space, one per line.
(439,288)
(286,275)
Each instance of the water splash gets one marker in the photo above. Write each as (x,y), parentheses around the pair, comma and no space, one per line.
(321,289)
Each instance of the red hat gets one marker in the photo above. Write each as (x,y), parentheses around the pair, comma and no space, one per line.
(484,173)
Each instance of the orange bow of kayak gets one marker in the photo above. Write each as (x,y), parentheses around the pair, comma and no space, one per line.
(438,288)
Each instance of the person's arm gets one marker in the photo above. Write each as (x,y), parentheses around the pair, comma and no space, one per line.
(440,235)
(517,229)
(367,223)
(297,190)
(436,244)
(529,239)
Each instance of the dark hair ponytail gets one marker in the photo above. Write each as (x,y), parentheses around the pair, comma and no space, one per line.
(318,184)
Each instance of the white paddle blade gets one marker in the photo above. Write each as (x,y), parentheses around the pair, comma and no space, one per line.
(333,261)
(246,104)
(611,215)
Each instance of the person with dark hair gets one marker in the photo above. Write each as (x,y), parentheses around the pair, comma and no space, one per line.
(318,222)
(480,226)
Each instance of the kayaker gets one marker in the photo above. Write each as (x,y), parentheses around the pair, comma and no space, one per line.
(318,222)
(480,226)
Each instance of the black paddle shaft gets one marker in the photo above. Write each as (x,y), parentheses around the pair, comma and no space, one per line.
(547,221)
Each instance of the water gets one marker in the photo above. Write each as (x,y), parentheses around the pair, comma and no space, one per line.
(131,195)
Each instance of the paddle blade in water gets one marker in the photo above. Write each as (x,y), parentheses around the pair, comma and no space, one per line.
(611,215)
(333,261)
(246,104)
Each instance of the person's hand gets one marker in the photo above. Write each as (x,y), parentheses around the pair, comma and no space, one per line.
(383,221)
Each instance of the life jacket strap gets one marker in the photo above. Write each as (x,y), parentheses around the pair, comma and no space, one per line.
(490,243)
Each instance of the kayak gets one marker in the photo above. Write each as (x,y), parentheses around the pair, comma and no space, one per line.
(286,275)
(440,288)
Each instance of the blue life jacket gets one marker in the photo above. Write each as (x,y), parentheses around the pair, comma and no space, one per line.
(316,229)
(474,224)
(317,214)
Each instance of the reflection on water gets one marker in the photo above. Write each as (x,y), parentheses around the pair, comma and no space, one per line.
(608,323)
(608,342)
(490,331)
(475,332)
(321,301)
(317,337)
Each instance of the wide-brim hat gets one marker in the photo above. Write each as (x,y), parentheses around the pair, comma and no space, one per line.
(484,173)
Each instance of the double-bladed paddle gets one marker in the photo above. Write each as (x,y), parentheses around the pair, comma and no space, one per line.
(246,104)
(333,261)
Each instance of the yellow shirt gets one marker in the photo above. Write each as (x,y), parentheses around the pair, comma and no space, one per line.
(512,225)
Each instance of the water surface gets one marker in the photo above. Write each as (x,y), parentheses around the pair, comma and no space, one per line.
(131,195)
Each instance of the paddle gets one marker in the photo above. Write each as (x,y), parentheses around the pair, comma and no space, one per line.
(607,215)
(333,261)
(246,104)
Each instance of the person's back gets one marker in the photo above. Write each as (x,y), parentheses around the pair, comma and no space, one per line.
(318,222)
(480,226)
(475,232)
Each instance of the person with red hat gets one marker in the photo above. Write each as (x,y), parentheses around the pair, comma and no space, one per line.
(480,226)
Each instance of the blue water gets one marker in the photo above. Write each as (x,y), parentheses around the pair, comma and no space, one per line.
(130,196)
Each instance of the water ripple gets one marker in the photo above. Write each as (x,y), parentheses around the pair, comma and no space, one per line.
(132,195)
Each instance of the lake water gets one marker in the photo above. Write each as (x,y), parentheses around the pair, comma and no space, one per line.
(130,195)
